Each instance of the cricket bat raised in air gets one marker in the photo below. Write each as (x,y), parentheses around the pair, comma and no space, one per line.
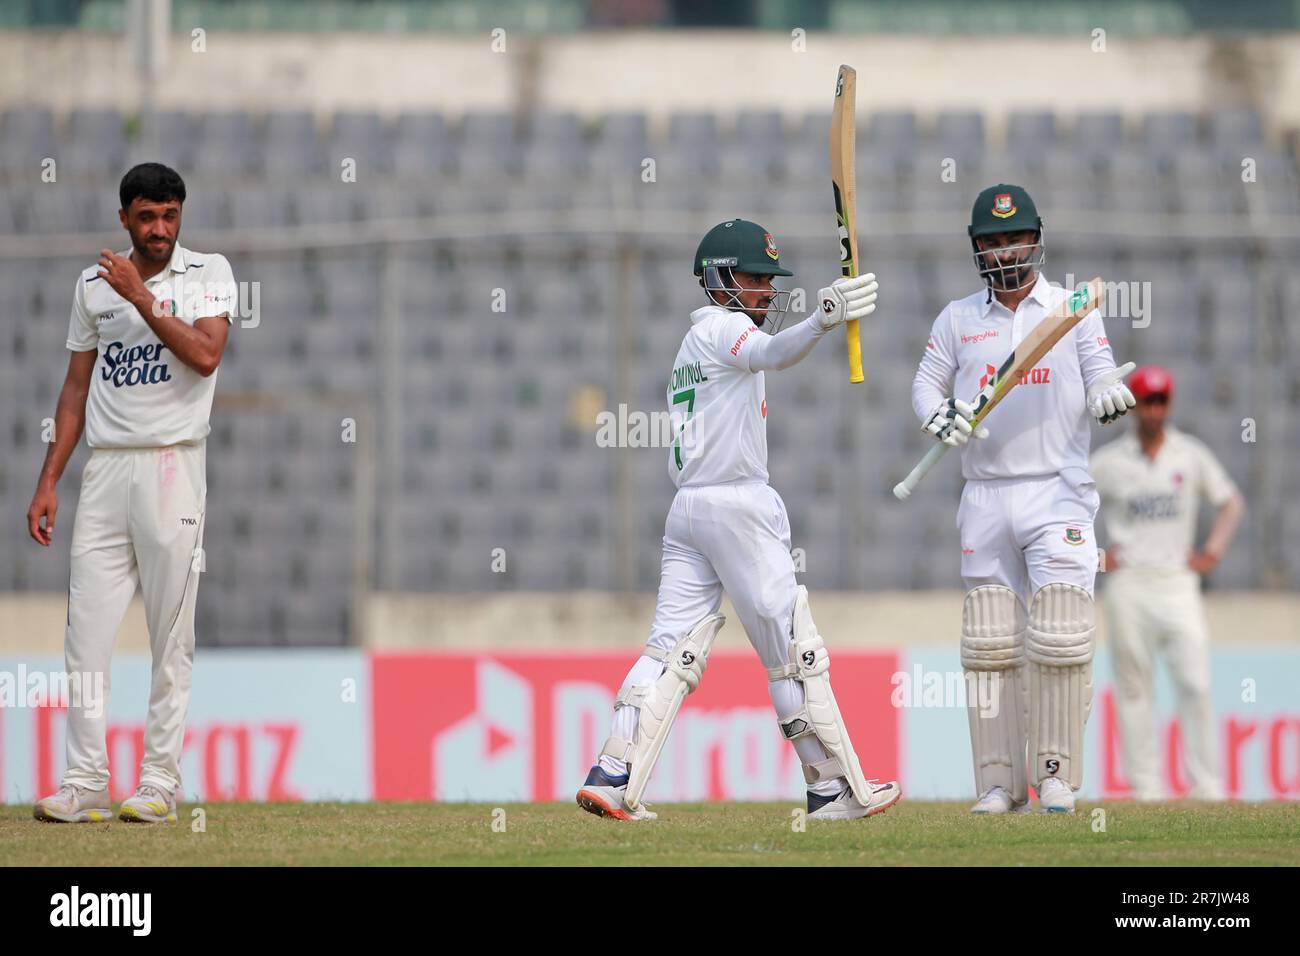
(844,181)
(1025,356)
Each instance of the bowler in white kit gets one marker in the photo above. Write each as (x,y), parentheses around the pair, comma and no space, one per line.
(147,332)
(727,531)
(1151,482)
(1028,556)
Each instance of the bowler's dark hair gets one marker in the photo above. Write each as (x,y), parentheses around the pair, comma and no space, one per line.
(152,181)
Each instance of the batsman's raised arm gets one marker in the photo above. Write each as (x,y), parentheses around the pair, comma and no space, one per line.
(841,301)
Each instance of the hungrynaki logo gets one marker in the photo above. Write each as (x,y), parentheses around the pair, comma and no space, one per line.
(979,336)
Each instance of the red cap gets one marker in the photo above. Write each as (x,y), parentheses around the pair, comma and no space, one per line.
(1151,380)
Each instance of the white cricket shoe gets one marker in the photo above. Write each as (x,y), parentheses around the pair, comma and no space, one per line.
(1055,796)
(845,806)
(997,800)
(606,796)
(74,804)
(150,804)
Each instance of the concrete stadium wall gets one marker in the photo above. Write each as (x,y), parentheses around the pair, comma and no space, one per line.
(662,72)
(34,623)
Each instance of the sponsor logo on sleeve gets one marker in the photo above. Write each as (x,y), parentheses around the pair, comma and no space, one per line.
(735,349)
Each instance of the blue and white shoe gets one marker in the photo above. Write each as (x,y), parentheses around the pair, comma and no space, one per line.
(604,795)
(845,806)
(1055,796)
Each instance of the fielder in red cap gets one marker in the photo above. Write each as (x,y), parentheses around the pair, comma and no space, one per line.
(1151,483)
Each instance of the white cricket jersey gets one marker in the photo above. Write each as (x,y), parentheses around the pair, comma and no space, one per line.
(142,395)
(1150,505)
(1042,426)
(718,406)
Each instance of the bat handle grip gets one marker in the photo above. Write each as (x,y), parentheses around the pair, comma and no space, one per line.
(904,488)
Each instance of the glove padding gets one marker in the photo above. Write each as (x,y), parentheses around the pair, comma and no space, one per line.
(846,299)
(1109,398)
(951,423)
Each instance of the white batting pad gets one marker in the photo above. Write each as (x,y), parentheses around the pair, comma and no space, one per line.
(683,670)
(1059,647)
(810,665)
(993,657)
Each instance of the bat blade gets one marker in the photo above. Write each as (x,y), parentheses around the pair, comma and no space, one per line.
(1013,368)
(845,187)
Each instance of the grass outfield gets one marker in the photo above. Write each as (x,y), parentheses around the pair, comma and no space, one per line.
(706,834)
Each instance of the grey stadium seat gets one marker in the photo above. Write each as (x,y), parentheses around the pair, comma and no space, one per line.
(1098,133)
(1236,128)
(226,144)
(1031,131)
(291,149)
(26,138)
(1168,131)
(95,145)
(422,145)
(488,146)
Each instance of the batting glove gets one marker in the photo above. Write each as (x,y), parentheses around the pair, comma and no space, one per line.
(951,422)
(1109,398)
(846,299)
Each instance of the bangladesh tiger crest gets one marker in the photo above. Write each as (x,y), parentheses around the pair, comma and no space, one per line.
(1073,536)
(1003,207)
(772,252)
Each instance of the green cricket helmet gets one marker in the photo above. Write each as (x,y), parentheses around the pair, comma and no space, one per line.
(1005,208)
(739,245)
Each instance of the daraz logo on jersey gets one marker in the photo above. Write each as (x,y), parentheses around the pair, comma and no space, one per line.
(137,365)
(1033,376)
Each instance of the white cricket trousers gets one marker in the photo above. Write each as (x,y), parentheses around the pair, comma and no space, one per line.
(1150,614)
(139,523)
(1024,533)
(735,538)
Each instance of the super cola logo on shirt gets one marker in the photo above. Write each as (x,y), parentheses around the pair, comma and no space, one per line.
(136,365)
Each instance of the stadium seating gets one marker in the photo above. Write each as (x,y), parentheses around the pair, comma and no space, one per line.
(489,415)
